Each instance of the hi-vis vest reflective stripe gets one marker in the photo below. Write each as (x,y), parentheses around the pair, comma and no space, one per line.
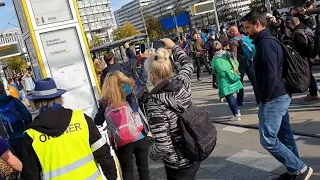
(68,156)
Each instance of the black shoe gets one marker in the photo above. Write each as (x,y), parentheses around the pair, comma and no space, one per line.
(306,175)
(285,176)
(199,80)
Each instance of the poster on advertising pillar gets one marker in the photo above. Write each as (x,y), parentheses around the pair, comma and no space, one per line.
(67,66)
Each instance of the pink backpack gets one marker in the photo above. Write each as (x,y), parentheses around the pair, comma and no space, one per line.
(124,125)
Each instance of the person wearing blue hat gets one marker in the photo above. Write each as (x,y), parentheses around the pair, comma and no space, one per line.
(61,143)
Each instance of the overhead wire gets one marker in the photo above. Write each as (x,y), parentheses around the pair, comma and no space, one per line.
(8,24)
(8,21)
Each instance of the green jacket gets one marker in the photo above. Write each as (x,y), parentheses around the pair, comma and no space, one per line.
(227,74)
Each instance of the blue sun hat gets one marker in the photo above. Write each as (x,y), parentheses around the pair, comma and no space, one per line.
(45,89)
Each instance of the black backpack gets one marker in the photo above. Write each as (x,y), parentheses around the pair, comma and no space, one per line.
(296,72)
(310,21)
(309,36)
(199,133)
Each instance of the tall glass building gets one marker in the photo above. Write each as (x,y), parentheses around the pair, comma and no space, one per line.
(132,12)
(97,18)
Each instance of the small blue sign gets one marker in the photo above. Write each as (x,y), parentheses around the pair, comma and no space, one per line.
(169,22)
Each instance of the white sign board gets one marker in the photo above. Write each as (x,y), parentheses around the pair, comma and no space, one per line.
(202,8)
(51,11)
(66,62)
(59,43)
(9,50)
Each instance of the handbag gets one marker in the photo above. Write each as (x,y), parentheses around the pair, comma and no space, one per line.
(5,169)
(7,172)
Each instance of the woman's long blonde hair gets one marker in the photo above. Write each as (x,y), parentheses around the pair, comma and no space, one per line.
(98,66)
(112,90)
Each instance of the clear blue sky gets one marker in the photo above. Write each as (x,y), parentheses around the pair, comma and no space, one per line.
(116,4)
(7,13)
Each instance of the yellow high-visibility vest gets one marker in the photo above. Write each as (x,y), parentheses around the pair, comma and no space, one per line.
(68,156)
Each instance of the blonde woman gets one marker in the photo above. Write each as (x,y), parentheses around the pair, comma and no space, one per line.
(98,67)
(169,96)
(121,93)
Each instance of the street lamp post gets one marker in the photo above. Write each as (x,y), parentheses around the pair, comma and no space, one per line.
(216,16)
(144,24)
(174,18)
(160,19)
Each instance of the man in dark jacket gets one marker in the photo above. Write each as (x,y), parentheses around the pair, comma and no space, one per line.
(312,10)
(276,136)
(316,49)
(245,64)
(301,44)
(211,50)
(304,18)
(209,47)
(13,138)
(126,68)
(61,142)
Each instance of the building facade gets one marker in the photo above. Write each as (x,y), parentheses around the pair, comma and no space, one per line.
(229,6)
(161,8)
(12,35)
(97,18)
(132,12)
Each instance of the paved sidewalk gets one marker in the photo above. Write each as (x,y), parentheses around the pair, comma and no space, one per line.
(239,156)
(305,115)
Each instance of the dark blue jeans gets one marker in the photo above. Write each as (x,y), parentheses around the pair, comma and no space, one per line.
(233,104)
(247,67)
(276,135)
(313,88)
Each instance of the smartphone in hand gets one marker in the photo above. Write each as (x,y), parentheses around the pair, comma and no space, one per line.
(157,44)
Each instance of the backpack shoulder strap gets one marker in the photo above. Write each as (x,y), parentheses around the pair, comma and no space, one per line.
(236,39)
(274,38)
(277,40)
(108,109)
(303,32)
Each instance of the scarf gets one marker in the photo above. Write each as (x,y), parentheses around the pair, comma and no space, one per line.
(48,108)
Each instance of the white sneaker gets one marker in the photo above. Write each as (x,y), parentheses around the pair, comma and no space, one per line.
(236,118)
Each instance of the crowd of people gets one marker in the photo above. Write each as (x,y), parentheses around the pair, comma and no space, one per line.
(21,85)
(145,108)
(299,28)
